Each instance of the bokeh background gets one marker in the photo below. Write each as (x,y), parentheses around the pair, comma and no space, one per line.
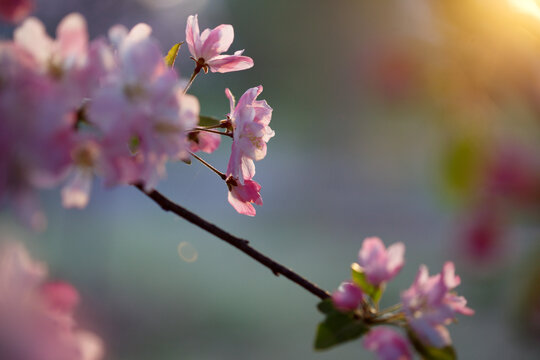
(411,120)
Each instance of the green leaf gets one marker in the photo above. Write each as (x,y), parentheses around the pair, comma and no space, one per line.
(359,278)
(338,327)
(172,54)
(430,352)
(187,161)
(208,121)
(326,306)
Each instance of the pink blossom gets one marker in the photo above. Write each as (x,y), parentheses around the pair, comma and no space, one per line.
(241,196)
(36,318)
(430,304)
(141,112)
(35,116)
(250,119)
(15,10)
(74,64)
(207,47)
(203,141)
(387,344)
(348,296)
(379,264)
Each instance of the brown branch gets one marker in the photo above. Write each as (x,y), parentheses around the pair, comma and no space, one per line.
(240,244)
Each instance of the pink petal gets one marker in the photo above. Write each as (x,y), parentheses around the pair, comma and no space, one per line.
(395,253)
(207,142)
(217,41)
(72,36)
(193,35)
(387,344)
(90,346)
(448,275)
(32,36)
(249,97)
(240,206)
(228,63)
(60,296)
(241,197)
(230,96)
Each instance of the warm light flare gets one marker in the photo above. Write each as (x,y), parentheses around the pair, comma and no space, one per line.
(527,6)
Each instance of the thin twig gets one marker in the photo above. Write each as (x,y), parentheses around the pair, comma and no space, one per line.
(213,131)
(240,244)
(220,174)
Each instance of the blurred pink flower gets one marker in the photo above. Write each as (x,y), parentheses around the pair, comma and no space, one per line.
(482,233)
(250,119)
(15,10)
(36,319)
(241,196)
(35,117)
(379,264)
(348,296)
(387,344)
(141,112)
(207,47)
(74,64)
(203,141)
(430,304)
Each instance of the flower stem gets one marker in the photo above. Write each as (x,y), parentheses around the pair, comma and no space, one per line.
(213,131)
(240,244)
(221,175)
(196,71)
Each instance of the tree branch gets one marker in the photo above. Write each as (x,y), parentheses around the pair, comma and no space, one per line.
(240,244)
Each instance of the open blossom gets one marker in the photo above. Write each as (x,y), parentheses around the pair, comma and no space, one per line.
(36,318)
(378,263)
(348,296)
(429,304)
(242,196)
(387,344)
(141,112)
(15,10)
(250,119)
(206,48)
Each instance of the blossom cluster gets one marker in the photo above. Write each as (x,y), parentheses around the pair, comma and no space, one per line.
(426,307)
(73,108)
(36,316)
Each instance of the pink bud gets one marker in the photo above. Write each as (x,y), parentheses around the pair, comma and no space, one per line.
(348,296)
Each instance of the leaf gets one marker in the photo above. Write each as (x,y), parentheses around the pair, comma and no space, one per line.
(338,327)
(359,278)
(187,161)
(208,121)
(172,54)
(326,306)
(430,352)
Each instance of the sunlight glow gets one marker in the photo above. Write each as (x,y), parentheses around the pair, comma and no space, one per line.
(527,6)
